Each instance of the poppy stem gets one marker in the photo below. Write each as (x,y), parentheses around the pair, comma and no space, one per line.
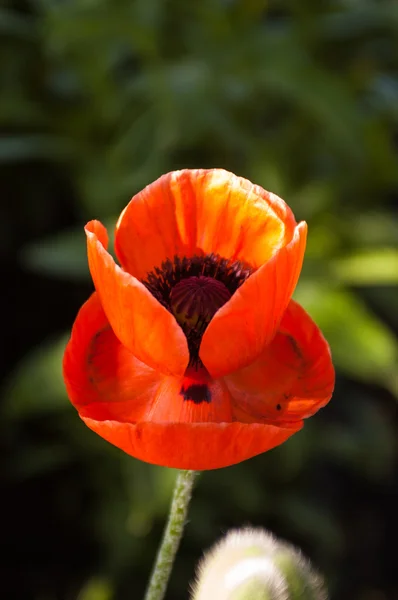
(172,535)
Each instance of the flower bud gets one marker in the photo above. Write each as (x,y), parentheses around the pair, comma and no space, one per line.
(251,564)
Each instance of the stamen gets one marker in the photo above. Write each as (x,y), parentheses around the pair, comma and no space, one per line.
(193,290)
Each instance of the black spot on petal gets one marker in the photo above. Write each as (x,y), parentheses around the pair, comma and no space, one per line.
(296,348)
(197,393)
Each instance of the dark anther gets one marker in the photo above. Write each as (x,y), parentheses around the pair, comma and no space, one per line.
(278,407)
(193,290)
(161,280)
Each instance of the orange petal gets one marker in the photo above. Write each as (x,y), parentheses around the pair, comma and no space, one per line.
(293,377)
(140,322)
(242,328)
(201,212)
(199,446)
(103,379)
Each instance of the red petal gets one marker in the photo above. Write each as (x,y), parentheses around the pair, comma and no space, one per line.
(201,212)
(103,379)
(199,446)
(140,322)
(240,331)
(112,389)
(188,401)
(293,377)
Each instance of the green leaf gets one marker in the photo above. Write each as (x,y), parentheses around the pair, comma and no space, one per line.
(374,228)
(289,73)
(361,344)
(369,267)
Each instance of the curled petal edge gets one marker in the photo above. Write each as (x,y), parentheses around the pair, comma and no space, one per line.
(242,328)
(139,321)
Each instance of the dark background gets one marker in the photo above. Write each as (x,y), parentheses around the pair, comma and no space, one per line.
(99,98)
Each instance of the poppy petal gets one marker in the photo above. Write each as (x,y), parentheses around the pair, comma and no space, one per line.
(103,379)
(179,402)
(139,321)
(199,446)
(242,328)
(201,211)
(292,379)
(111,389)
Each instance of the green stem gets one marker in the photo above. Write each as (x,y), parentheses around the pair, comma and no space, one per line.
(171,536)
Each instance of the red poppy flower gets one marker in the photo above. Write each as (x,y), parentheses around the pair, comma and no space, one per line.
(192,354)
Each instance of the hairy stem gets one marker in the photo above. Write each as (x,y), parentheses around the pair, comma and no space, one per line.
(172,535)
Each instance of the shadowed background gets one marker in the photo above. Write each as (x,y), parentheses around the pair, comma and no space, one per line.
(99,98)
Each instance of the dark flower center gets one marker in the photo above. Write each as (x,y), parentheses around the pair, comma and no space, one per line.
(197,299)
(193,290)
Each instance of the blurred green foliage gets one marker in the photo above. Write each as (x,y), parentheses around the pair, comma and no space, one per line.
(301,98)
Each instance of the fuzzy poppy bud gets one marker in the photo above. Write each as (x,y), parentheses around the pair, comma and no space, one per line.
(250,564)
